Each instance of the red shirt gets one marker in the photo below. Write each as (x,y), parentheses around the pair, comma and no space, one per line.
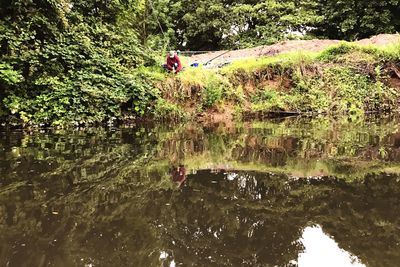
(172,61)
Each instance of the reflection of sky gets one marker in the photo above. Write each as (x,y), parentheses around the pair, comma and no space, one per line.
(322,250)
(164,256)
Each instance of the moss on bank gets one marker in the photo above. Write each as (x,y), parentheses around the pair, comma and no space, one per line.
(343,79)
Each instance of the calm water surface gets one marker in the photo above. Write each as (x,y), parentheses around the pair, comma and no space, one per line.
(295,192)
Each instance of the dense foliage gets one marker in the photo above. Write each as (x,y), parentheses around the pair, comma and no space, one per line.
(226,23)
(355,19)
(69,61)
(211,24)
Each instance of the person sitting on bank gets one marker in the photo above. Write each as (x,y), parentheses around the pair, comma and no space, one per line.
(173,62)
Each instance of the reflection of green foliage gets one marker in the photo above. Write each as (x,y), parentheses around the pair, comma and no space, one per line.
(299,146)
(208,217)
(112,189)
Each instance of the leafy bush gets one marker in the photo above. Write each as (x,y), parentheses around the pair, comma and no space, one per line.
(165,110)
(388,53)
(342,90)
(268,101)
(213,91)
(391,53)
(64,67)
(8,76)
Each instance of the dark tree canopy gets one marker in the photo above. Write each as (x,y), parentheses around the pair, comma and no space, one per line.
(356,19)
(219,24)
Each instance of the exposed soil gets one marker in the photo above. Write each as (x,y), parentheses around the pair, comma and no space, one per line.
(394,82)
(223,114)
(287,46)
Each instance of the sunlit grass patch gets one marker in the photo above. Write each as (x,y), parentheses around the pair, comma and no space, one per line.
(156,73)
(198,76)
(342,52)
(281,60)
(389,52)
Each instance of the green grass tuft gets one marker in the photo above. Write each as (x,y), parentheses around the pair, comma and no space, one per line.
(166,110)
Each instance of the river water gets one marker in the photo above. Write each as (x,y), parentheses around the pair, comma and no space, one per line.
(294,192)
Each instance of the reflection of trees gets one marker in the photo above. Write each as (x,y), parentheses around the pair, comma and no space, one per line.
(272,152)
(259,221)
(102,222)
(231,222)
(102,194)
(363,218)
(76,205)
(248,219)
(344,147)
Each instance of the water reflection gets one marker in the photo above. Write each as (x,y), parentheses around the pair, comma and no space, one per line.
(178,175)
(321,250)
(109,197)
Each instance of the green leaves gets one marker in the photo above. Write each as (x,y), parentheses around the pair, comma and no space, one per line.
(355,19)
(213,92)
(231,24)
(216,24)
(8,75)
(83,73)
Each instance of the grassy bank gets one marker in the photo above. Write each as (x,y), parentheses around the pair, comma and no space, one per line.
(343,79)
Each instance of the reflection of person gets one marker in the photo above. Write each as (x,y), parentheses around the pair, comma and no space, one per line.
(322,173)
(178,175)
(173,62)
